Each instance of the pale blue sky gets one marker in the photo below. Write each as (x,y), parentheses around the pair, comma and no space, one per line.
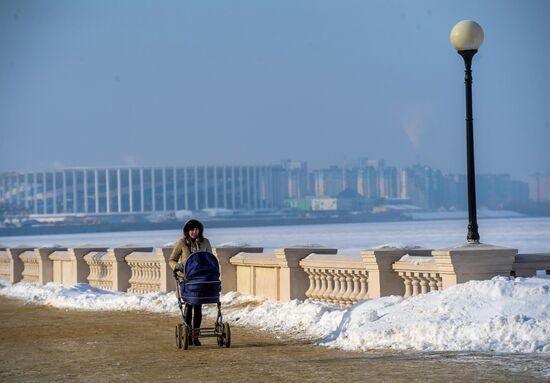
(85,83)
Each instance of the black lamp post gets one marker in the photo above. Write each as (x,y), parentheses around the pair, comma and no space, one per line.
(466,38)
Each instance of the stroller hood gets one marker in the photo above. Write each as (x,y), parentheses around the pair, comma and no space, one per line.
(202,266)
(201,283)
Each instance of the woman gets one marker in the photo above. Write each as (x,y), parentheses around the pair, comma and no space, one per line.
(192,242)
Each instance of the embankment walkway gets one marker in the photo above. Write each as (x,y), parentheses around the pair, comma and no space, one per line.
(41,344)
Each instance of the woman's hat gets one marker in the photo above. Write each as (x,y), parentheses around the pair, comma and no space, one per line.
(192,224)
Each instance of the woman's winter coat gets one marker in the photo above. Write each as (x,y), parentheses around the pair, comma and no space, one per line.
(184,247)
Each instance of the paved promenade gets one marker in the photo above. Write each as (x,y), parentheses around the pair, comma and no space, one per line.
(44,344)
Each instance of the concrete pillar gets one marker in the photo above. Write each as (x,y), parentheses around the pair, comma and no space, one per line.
(130,191)
(206,201)
(74,192)
(382,280)
(197,188)
(233,191)
(227,270)
(96,190)
(175,180)
(80,269)
(216,187)
(118,191)
(163,189)
(26,193)
(224,180)
(54,191)
(64,192)
(168,282)
(294,282)
(121,270)
(16,264)
(185,190)
(468,262)
(154,202)
(35,194)
(45,264)
(85,190)
(142,190)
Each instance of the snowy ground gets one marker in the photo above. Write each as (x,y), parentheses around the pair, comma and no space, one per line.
(528,235)
(499,315)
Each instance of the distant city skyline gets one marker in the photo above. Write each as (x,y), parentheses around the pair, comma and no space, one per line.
(244,83)
(143,190)
(347,164)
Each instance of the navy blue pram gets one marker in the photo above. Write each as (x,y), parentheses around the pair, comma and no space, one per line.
(201,282)
(200,285)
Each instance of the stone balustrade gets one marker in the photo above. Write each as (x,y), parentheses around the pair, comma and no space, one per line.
(527,265)
(100,270)
(275,276)
(338,279)
(12,263)
(150,271)
(229,270)
(37,266)
(69,266)
(30,272)
(419,273)
(109,270)
(284,274)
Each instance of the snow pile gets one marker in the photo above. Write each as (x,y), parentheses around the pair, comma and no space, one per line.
(501,315)
(85,297)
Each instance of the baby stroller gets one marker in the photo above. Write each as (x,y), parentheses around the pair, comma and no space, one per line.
(200,285)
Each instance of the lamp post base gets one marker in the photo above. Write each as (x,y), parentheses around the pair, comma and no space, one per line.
(473,234)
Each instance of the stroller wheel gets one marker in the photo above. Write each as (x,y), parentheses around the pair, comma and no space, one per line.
(179,331)
(185,337)
(226,335)
(219,333)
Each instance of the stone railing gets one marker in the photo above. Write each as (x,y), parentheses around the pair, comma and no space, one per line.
(150,271)
(527,265)
(275,276)
(288,273)
(227,269)
(419,273)
(100,270)
(69,266)
(336,279)
(108,270)
(14,263)
(37,266)
(31,270)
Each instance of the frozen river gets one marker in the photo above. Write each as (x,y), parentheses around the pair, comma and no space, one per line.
(528,235)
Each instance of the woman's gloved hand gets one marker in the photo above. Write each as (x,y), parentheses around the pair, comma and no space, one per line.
(179,267)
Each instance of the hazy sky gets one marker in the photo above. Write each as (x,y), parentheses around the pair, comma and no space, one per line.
(108,83)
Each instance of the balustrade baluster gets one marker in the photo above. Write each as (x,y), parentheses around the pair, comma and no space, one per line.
(349,288)
(327,294)
(423,283)
(311,279)
(342,287)
(323,278)
(415,285)
(407,282)
(432,283)
(333,298)
(355,282)
(363,290)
